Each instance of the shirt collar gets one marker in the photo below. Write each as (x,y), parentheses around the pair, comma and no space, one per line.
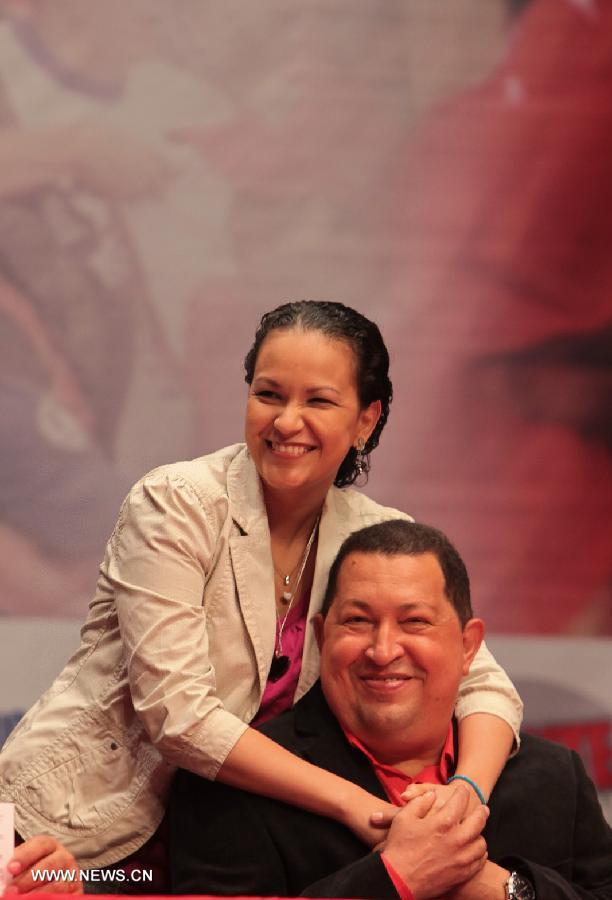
(395,781)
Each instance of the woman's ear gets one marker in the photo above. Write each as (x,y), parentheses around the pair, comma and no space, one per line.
(368,419)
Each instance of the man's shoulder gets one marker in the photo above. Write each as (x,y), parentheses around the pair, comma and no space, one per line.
(535,748)
(304,730)
(294,728)
(541,766)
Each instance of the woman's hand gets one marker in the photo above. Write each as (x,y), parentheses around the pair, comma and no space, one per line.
(442,793)
(369,817)
(42,855)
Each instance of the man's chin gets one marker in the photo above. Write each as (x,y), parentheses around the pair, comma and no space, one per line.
(387,719)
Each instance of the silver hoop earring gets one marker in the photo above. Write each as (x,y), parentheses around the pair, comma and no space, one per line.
(360,460)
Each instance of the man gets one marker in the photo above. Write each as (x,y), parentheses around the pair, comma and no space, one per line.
(396,633)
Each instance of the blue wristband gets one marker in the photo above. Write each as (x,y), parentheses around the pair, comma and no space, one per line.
(472,784)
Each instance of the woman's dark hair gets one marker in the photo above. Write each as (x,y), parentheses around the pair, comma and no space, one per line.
(340,323)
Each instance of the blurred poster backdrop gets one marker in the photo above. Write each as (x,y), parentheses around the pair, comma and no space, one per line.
(169,171)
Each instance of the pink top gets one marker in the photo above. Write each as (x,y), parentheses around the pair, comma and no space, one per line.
(278,695)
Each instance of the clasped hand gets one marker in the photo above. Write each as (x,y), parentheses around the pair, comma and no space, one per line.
(434,842)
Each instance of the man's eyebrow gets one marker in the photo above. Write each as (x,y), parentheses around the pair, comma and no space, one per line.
(408,606)
(412,604)
(353,601)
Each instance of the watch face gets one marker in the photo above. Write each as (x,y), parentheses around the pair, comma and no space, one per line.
(519,888)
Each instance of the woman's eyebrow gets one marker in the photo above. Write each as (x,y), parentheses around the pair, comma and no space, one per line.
(323,387)
(263,379)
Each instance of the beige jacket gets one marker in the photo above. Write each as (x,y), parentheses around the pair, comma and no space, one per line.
(174,657)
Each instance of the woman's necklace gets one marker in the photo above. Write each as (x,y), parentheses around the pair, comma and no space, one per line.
(281,662)
(286,580)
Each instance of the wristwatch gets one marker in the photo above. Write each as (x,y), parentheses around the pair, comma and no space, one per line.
(519,888)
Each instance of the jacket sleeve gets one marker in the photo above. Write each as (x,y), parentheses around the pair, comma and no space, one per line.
(225,842)
(161,552)
(487,689)
(365,878)
(586,873)
(218,843)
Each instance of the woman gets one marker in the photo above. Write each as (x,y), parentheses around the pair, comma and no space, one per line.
(183,645)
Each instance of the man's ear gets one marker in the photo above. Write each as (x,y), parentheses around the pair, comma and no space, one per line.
(473,633)
(318,623)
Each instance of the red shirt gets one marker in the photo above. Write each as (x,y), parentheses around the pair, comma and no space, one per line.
(395,782)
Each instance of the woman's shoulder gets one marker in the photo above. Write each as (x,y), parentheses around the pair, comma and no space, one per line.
(206,476)
(181,495)
(351,503)
(199,485)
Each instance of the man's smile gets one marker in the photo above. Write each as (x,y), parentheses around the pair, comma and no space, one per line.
(385,682)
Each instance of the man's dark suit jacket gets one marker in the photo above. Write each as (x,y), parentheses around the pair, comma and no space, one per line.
(545,822)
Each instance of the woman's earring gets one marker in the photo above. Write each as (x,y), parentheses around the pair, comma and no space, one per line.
(360,461)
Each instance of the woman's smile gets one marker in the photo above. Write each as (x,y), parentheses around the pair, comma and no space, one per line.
(291,451)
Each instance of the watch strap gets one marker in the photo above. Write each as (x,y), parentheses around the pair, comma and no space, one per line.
(519,888)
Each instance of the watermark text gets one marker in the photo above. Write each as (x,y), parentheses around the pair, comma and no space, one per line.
(117,876)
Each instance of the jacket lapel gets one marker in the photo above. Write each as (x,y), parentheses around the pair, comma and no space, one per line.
(323,743)
(251,557)
(334,527)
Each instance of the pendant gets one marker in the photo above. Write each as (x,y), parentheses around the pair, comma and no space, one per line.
(279,667)
(286,597)
(286,580)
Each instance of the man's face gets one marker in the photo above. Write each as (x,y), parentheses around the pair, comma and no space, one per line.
(393,652)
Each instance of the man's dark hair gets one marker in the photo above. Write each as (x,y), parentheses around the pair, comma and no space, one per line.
(398,537)
(341,323)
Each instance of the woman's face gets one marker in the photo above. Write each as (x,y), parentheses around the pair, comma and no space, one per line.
(303,412)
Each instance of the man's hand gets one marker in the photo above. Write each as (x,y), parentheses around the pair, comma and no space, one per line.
(443,793)
(41,854)
(488,884)
(435,849)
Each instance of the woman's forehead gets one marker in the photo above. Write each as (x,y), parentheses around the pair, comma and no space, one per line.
(309,351)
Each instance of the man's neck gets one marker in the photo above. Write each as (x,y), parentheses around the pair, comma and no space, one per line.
(396,774)
(408,758)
